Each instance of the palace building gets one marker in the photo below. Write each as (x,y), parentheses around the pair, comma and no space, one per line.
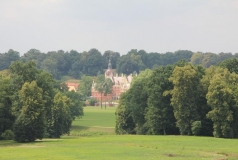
(120,85)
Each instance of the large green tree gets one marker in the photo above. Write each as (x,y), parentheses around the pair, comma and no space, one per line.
(6,116)
(124,120)
(221,98)
(61,119)
(159,115)
(7,58)
(30,123)
(76,107)
(185,94)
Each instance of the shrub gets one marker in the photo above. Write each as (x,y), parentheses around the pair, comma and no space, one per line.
(92,101)
(7,135)
(196,127)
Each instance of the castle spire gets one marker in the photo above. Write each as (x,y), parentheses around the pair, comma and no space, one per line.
(109,64)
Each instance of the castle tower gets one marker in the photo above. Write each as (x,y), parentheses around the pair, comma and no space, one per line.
(109,73)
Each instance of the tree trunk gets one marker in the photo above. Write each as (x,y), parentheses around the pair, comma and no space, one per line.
(105,105)
(164,131)
(101,100)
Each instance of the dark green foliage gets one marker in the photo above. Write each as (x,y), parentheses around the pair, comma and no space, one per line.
(7,135)
(76,107)
(6,116)
(196,127)
(230,64)
(61,119)
(92,101)
(159,115)
(7,58)
(34,55)
(113,56)
(132,106)
(124,119)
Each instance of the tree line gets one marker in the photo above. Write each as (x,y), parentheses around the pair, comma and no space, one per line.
(33,105)
(182,99)
(92,62)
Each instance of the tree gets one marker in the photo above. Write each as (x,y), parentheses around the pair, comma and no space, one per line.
(196,58)
(61,119)
(85,86)
(114,56)
(185,97)
(100,86)
(124,120)
(91,62)
(7,58)
(159,115)
(30,123)
(107,87)
(220,97)
(34,55)
(6,117)
(138,100)
(50,66)
(230,64)
(76,107)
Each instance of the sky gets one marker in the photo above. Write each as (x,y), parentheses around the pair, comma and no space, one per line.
(119,25)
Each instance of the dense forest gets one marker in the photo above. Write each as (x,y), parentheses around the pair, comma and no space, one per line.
(92,63)
(182,99)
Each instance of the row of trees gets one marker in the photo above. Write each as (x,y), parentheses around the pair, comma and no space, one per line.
(33,105)
(92,62)
(182,99)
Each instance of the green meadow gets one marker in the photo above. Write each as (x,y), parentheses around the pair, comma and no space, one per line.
(92,137)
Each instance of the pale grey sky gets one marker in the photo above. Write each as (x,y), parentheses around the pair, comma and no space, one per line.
(119,25)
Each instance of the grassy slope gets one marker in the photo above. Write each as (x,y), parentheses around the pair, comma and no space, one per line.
(109,146)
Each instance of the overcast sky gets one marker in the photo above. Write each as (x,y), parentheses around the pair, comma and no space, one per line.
(119,25)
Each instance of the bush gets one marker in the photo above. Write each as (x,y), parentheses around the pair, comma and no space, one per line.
(92,101)
(7,135)
(196,127)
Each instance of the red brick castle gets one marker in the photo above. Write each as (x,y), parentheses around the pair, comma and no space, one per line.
(120,85)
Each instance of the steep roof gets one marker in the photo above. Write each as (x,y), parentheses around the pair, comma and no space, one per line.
(72,86)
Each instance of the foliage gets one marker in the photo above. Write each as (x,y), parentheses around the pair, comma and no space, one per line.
(7,58)
(85,86)
(159,115)
(196,127)
(132,106)
(103,86)
(61,119)
(230,64)
(124,120)
(6,116)
(30,123)
(76,107)
(7,135)
(92,101)
(27,101)
(220,97)
(185,97)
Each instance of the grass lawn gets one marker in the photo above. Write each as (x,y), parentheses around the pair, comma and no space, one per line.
(97,120)
(93,138)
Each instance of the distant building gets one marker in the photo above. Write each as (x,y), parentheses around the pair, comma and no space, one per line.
(120,85)
(72,86)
